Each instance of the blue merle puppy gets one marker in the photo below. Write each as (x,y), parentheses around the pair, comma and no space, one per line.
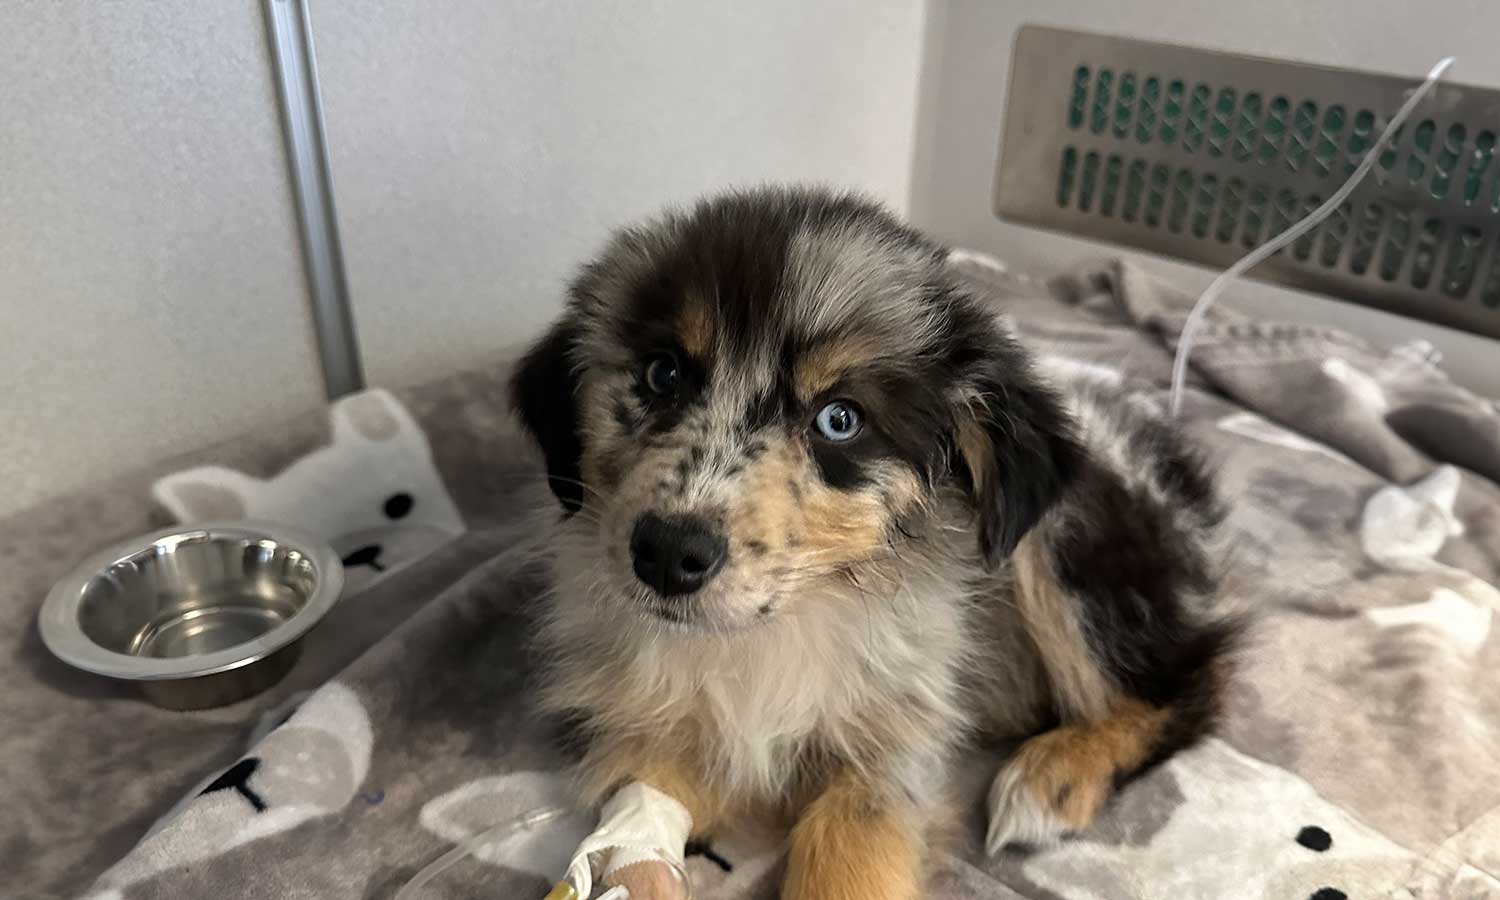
(825,522)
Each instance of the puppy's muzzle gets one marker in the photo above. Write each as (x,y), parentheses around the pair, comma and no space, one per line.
(676,555)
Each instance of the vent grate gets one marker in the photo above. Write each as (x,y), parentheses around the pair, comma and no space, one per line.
(1205,155)
(1221,122)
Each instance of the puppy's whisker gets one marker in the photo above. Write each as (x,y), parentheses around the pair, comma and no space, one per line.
(544,479)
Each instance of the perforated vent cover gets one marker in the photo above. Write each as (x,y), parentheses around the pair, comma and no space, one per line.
(1203,155)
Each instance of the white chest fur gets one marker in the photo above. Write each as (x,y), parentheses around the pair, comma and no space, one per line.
(873,680)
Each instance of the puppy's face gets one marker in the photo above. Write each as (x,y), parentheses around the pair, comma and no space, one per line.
(756,398)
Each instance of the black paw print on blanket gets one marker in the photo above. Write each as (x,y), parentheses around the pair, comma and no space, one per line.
(1317,840)
(237,778)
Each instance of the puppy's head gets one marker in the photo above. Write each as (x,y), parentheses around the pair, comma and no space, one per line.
(768,392)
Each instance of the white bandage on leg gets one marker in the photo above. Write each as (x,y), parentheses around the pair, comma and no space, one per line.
(639,823)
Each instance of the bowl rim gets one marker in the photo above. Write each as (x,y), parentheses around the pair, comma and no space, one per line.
(62,634)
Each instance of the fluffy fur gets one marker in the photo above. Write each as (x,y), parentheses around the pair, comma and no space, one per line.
(990,555)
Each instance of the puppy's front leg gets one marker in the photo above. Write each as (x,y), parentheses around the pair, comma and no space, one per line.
(854,842)
(607,768)
(645,790)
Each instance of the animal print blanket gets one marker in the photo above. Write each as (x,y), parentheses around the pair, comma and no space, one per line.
(1359,757)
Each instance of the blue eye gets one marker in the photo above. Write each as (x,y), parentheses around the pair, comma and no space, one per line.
(839,421)
(661,374)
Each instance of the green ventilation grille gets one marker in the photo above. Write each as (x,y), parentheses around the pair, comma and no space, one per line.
(1204,155)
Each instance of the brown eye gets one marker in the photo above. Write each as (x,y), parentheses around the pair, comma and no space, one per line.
(661,374)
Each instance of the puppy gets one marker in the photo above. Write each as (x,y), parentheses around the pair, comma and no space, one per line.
(824,522)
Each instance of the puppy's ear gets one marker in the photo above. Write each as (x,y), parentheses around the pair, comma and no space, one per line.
(1017,446)
(543,391)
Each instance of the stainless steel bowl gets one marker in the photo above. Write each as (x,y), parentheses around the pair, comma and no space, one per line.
(201,616)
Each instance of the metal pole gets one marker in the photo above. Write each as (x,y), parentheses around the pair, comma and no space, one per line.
(290,27)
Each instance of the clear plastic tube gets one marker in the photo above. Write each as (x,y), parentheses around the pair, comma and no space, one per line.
(412,889)
(563,890)
(1308,223)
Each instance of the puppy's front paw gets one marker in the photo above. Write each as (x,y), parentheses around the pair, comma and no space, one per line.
(1052,786)
(644,877)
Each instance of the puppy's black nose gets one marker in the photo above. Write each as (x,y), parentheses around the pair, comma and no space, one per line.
(676,554)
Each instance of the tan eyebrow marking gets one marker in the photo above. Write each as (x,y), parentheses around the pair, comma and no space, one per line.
(695,327)
(821,367)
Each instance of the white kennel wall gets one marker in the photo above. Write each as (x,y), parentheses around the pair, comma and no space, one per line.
(481,151)
(152,292)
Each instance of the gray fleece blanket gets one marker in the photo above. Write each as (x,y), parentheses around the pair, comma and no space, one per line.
(1359,757)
